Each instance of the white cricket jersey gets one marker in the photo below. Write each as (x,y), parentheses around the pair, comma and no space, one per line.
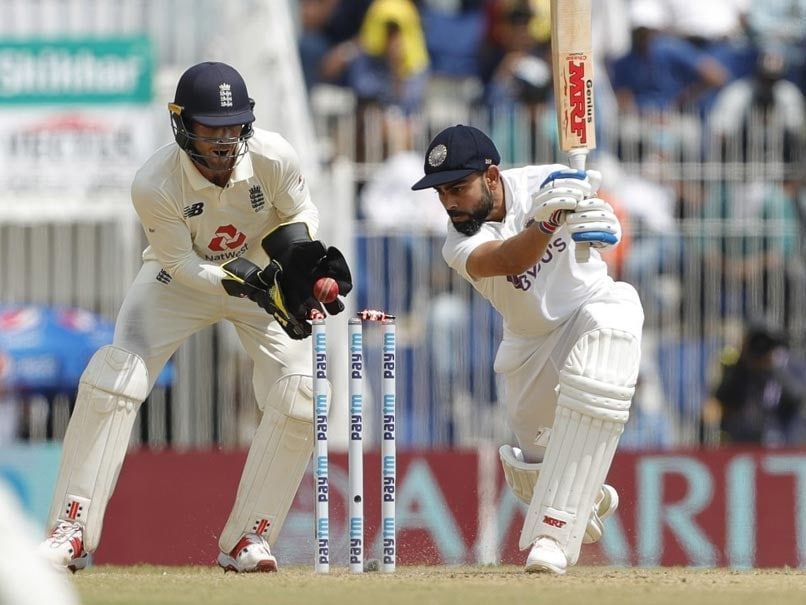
(193,226)
(538,300)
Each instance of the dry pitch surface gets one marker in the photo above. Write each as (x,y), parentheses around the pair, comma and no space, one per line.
(505,585)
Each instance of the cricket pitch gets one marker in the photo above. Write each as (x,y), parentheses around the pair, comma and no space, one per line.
(441,585)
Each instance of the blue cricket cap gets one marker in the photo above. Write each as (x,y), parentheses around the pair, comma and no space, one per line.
(455,153)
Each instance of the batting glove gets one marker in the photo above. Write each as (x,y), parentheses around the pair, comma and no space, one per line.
(559,194)
(595,222)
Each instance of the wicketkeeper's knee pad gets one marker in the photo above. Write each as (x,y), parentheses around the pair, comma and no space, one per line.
(595,390)
(278,457)
(111,390)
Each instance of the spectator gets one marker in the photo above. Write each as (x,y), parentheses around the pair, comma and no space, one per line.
(782,22)
(539,24)
(453,33)
(345,23)
(765,111)
(758,122)
(717,27)
(657,85)
(313,41)
(327,43)
(516,71)
(751,266)
(760,395)
(391,69)
(661,72)
(389,74)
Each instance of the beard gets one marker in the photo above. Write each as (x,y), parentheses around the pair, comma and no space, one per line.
(477,217)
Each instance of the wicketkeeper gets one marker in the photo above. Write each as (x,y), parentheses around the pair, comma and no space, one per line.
(571,345)
(231,228)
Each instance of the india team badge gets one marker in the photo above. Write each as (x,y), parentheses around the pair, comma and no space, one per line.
(437,155)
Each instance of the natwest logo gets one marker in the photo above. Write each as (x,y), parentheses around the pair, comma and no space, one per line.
(576,97)
(227,238)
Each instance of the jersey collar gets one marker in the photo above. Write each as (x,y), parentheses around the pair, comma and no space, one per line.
(243,169)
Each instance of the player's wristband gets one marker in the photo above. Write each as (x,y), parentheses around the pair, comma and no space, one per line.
(550,226)
(547,227)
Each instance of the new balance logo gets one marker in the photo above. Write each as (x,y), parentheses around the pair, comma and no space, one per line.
(553,522)
(225,94)
(164,277)
(256,198)
(193,210)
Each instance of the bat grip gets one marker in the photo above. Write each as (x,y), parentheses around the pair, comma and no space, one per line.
(576,159)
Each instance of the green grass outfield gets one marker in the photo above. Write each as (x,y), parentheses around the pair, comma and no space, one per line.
(505,585)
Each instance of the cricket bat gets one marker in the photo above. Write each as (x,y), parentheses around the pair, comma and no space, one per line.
(572,63)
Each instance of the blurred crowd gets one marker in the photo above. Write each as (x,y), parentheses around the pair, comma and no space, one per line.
(652,55)
(677,84)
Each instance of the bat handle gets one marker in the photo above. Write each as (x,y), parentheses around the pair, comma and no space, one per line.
(576,158)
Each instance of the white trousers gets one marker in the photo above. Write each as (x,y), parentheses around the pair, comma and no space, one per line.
(156,318)
(531,367)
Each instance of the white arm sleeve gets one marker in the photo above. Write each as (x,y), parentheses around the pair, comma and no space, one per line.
(458,248)
(292,199)
(170,239)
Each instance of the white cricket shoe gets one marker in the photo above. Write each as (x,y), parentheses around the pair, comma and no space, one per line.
(250,554)
(605,505)
(64,547)
(546,555)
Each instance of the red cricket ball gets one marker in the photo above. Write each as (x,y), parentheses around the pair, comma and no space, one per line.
(325,289)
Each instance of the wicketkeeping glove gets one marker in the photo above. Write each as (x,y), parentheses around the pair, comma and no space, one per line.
(303,261)
(595,222)
(560,193)
(264,287)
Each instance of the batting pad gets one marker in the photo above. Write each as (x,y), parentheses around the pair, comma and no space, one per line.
(276,463)
(111,390)
(595,391)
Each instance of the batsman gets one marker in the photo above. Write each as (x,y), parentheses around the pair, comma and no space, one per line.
(572,336)
(230,226)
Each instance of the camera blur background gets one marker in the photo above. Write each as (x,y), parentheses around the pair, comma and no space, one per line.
(701,120)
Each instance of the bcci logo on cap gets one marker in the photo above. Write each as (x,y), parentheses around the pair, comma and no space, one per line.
(437,155)
(225,94)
